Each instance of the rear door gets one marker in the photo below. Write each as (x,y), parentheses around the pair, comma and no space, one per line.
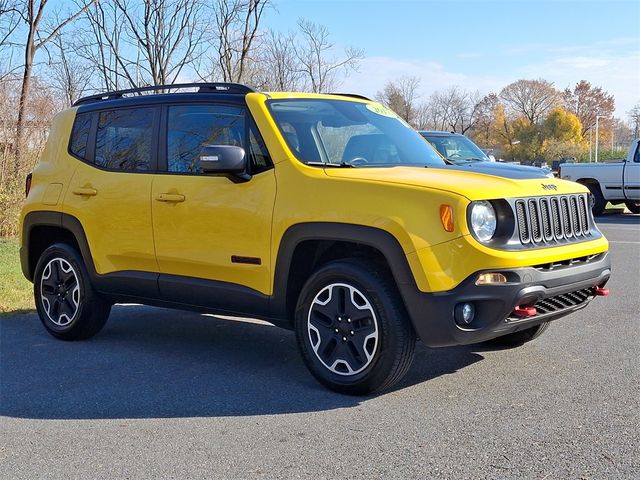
(111,188)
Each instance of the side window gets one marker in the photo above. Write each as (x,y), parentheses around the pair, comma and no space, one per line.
(80,135)
(124,139)
(191,127)
(636,157)
(259,156)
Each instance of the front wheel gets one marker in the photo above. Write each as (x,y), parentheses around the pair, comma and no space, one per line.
(518,338)
(67,304)
(352,328)
(633,206)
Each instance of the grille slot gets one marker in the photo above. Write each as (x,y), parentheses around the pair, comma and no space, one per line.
(559,303)
(553,219)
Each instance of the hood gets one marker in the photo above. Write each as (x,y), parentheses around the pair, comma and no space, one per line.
(507,170)
(474,185)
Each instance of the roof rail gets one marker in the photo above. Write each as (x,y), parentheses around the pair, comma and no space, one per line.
(202,88)
(352,95)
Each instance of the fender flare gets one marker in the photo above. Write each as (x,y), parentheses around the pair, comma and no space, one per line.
(377,238)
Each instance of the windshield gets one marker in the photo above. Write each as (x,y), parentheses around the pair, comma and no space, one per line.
(347,133)
(457,148)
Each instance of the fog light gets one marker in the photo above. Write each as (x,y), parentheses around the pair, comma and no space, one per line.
(490,278)
(464,314)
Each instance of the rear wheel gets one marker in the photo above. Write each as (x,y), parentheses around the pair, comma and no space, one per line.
(352,328)
(67,304)
(599,203)
(633,206)
(518,338)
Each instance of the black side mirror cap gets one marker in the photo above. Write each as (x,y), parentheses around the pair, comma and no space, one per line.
(224,160)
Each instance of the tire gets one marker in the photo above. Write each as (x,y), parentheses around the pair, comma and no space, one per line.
(517,339)
(352,328)
(599,203)
(68,306)
(634,207)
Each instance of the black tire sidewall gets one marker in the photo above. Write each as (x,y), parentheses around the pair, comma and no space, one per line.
(91,308)
(369,284)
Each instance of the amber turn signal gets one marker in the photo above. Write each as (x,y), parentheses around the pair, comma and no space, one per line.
(446,217)
(490,278)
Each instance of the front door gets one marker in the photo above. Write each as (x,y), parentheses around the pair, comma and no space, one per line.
(211,231)
(632,175)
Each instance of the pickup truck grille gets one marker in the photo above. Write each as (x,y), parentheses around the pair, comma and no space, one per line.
(553,219)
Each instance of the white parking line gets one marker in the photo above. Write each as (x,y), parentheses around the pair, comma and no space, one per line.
(621,241)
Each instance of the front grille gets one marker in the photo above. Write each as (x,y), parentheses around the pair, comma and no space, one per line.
(553,219)
(558,303)
(564,301)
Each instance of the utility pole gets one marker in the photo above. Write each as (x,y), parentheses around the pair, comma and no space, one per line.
(597,118)
(590,133)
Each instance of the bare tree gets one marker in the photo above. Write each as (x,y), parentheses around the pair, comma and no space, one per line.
(10,16)
(276,66)
(68,74)
(36,39)
(401,96)
(314,53)
(586,102)
(634,117)
(453,109)
(530,98)
(101,44)
(486,119)
(166,33)
(237,23)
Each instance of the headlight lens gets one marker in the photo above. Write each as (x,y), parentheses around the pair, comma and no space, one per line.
(483,220)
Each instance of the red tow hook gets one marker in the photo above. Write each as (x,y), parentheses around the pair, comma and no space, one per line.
(600,291)
(524,312)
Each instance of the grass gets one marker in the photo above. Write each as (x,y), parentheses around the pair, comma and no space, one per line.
(16,292)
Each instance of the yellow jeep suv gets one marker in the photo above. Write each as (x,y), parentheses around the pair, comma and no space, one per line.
(325,214)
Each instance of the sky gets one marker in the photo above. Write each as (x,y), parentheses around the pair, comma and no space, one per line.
(481,45)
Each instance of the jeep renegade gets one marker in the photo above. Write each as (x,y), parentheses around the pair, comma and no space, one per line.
(325,214)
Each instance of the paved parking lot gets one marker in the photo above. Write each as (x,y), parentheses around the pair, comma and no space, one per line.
(165,394)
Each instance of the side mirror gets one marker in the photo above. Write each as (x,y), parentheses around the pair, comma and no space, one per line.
(224,160)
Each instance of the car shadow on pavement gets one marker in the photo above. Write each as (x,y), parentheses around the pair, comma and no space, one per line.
(617,218)
(158,363)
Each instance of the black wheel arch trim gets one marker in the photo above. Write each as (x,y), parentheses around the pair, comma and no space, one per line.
(379,239)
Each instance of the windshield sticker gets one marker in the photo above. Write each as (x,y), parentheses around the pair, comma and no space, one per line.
(381,110)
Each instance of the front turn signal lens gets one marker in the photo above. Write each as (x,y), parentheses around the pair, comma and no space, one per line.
(446,217)
(490,278)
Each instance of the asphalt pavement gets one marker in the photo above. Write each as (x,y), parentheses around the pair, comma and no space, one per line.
(168,394)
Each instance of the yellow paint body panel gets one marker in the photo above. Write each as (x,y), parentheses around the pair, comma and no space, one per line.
(217,219)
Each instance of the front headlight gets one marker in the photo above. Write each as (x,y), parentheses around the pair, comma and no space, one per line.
(483,220)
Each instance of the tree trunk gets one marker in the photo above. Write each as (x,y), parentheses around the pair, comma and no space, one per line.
(24,97)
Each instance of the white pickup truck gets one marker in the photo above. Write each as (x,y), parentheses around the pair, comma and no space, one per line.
(615,182)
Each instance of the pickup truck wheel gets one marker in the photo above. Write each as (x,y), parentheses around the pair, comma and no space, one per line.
(518,338)
(599,203)
(352,328)
(634,207)
(67,304)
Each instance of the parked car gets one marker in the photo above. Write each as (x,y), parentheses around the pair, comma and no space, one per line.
(325,214)
(615,182)
(461,151)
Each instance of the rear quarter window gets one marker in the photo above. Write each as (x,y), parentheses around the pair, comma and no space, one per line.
(80,135)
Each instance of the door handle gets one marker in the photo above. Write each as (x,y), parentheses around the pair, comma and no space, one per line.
(86,192)
(170,197)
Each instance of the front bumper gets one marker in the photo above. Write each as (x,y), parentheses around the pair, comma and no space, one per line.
(554,290)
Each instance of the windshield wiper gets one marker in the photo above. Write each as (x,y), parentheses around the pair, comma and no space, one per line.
(331,165)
